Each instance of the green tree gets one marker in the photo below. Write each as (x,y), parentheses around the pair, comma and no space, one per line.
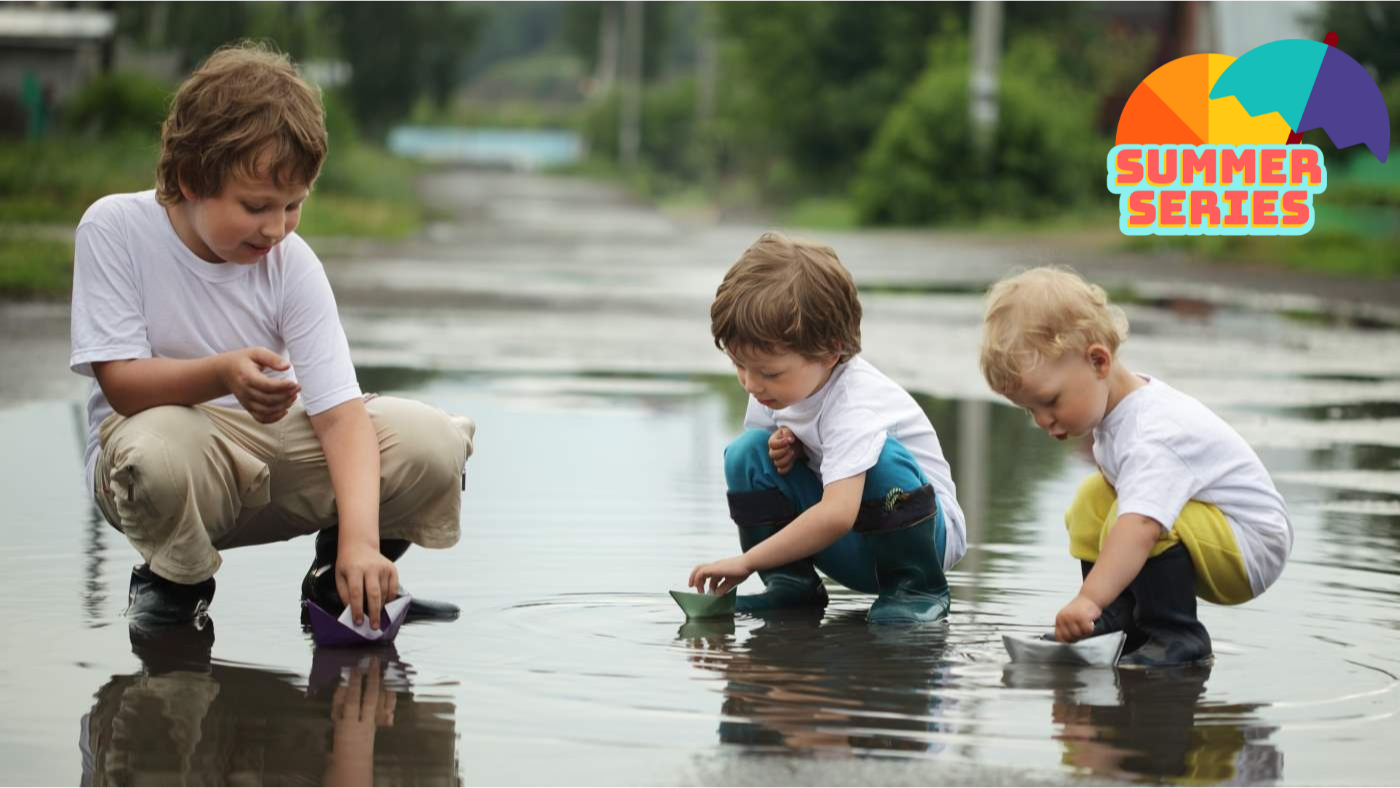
(1045,156)
(1368,31)
(580,33)
(398,52)
(194,30)
(829,72)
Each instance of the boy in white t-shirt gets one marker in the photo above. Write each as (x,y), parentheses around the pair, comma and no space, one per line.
(839,469)
(225,410)
(1180,507)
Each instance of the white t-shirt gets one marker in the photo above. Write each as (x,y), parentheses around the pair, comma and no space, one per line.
(1161,448)
(843,427)
(139,292)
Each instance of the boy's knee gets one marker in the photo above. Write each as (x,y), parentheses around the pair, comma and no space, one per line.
(430,444)
(145,479)
(1095,488)
(746,456)
(896,467)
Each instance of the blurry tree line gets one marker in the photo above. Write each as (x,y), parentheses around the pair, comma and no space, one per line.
(762,102)
(870,101)
(396,53)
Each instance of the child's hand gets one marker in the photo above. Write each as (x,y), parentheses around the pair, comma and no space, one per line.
(356,710)
(365,580)
(784,449)
(723,576)
(267,398)
(1076,620)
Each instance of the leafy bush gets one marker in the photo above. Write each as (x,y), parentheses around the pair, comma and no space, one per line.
(55,180)
(34,267)
(118,104)
(670,136)
(1044,158)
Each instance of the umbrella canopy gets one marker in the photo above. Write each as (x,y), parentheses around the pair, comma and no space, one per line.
(1311,85)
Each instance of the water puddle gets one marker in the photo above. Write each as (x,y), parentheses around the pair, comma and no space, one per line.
(593,495)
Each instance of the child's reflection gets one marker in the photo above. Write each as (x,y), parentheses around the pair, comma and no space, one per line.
(358,709)
(825,687)
(186,719)
(1130,724)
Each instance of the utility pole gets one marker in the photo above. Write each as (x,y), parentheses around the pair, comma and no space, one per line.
(984,74)
(630,128)
(605,73)
(707,78)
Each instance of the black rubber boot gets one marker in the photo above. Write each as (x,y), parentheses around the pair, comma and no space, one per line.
(759,515)
(319,583)
(1165,613)
(900,532)
(418,609)
(174,648)
(1118,616)
(155,603)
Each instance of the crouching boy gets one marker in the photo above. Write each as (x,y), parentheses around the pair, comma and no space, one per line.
(225,410)
(1180,506)
(839,468)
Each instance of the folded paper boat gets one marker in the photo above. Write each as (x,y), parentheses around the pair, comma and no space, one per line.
(701,606)
(327,630)
(1100,651)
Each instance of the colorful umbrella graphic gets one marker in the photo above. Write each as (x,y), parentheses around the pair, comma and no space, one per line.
(1311,85)
(1173,106)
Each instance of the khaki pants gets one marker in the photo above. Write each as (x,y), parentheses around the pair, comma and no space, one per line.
(183,483)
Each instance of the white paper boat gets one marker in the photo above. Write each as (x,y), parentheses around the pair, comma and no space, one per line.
(1100,651)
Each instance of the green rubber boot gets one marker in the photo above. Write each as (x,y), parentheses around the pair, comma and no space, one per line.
(901,531)
(787,587)
(759,515)
(913,589)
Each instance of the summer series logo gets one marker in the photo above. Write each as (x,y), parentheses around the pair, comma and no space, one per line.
(1212,145)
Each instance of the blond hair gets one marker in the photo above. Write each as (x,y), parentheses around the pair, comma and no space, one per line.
(1040,315)
(245,111)
(787,295)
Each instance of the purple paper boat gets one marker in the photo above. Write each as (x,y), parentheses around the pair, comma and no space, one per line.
(327,630)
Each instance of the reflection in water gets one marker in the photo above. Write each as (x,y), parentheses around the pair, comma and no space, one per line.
(95,551)
(802,684)
(1128,724)
(822,691)
(185,719)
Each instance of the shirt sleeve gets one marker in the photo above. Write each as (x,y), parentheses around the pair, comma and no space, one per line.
(316,343)
(107,322)
(852,439)
(758,417)
(1154,482)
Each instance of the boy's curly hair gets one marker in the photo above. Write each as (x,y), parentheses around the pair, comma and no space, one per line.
(1039,315)
(786,295)
(245,111)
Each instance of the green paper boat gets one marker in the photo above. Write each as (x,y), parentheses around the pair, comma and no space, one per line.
(698,606)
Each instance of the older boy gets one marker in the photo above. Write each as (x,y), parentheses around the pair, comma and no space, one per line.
(1180,507)
(840,469)
(225,410)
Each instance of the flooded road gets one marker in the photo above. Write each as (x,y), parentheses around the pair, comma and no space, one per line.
(572,326)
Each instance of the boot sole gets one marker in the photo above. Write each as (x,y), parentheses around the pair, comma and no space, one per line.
(905,620)
(1167,665)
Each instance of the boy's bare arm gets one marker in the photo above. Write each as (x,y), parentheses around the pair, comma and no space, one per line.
(1124,552)
(134,385)
(365,579)
(811,532)
(815,529)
